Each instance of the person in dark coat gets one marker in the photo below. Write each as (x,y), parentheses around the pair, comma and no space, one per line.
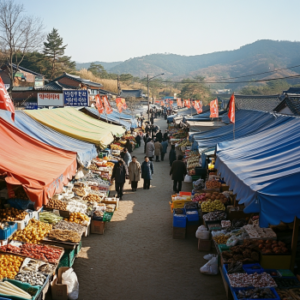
(172,155)
(147,172)
(152,119)
(146,140)
(119,174)
(153,131)
(166,135)
(164,149)
(147,129)
(159,136)
(178,171)
(128,145)
(138,140)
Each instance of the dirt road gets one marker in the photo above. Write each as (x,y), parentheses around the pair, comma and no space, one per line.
(137,258)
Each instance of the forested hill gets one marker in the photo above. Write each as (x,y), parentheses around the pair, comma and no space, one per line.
(107,65)
(249,59)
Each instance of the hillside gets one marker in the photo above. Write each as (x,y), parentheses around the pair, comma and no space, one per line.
(107,65)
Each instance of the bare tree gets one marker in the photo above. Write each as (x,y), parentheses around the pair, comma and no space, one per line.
(19,34)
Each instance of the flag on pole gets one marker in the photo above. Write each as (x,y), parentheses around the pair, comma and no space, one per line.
(5,101)
(99,104)
(119,104)
(198,106)
(179,102)
(187,103)
(231,112)
(124,105)
(171,103)
(214,109)
(107,106)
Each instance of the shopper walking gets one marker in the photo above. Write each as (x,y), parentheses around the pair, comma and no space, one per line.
(158,150)
(172,155)
(146,140)
(166,135)
(164,145)
(147,172)
(159,136)
(125,155)
(150,149)
(128,145)
(119,174)
(138,140)
(178,171)
(134,170)
(152,119)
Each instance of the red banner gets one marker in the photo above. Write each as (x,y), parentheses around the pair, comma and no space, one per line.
(124,105)
(214,109)
(107,106)
(99,104)
(231,112)
(179,102)
(171,103)
(198,106)
(5,101)
(119,104)
(162,103)
(167,100)
(187,103)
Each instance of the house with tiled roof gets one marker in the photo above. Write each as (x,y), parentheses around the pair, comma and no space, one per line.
(290,105)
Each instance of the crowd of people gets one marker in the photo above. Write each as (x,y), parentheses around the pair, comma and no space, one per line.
(155,147)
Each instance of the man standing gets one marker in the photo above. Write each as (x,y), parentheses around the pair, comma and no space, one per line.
(164,145)
(158,150)
(150,149)
(120,173)
(178,171)
(159,136)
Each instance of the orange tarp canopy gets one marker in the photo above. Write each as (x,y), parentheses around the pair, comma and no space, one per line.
(41,169)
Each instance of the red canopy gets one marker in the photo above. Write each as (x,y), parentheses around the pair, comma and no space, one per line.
(41,169)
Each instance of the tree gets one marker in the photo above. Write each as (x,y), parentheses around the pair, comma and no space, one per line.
(19,34)
(98,70)
(54,50)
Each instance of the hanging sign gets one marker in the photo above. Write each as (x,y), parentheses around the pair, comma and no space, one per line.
(187,103)
(198,106)
(99,104)
(76,98)
(231,112)
(179,102)
(119,104)
(107,106)
(214,109)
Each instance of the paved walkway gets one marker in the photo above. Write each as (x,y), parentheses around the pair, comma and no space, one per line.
(137,258)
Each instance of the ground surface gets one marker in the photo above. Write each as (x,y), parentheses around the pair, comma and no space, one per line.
(137,258)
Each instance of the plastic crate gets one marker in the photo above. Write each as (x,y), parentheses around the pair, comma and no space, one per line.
(191,206)
(234,293)
(78,248)
(249,268)
(192,216)
(179,220)
(7,232)
(67,259)
(22,286)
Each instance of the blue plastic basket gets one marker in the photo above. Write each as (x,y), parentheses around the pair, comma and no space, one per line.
(179,220)
(192,215)
(248,268)
(235,291)
(7,232)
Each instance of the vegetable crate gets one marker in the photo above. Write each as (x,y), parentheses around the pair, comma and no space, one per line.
(68,258)
(24,286)
(78,248)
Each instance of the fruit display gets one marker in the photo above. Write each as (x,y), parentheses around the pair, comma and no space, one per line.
(41,252)
(215,216)
(210,197)
(48,217)
(256,232)
(255,294)
(33,233)
(80,191)
(65,225)
(209,206)
(78,218)
(272,247)
(10,265)
(11,214)
(92,198)
(221,239)
(116,147)
(64,236)
(56,204)
(213,184)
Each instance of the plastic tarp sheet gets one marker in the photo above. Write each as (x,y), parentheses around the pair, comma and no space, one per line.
(247,122)
(202,117)
(85,151)
(121,119)
(264,171)
(41,169)
(78,125)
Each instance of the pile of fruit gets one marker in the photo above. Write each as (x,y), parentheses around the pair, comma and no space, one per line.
(12,214)
(10,266)
(209,206)
(33,233)
(213,184)
(221,239)
(116,147)
(78,218)
(57,204)
(272,247)
(210,197)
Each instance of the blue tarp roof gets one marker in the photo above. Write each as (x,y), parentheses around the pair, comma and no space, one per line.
(182,112)
(264,171)
(203,117)
(85,151)
(115,117)
(247,122)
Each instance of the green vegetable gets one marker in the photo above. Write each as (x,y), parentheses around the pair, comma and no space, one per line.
(48,217)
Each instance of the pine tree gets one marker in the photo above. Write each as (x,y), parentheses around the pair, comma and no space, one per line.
(54,50)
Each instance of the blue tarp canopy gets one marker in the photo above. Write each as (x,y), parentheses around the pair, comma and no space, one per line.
(203,117)
(247,122)
(182,112)
(264,171)
(85,151)
(118,118)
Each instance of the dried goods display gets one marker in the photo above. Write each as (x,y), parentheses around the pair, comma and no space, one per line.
(215,216)
(221,239)
(92,198)
(4,225)
(209,206)
(33,233)
(57,204)
(272,247)
(240,280)
(235,267)
(11,290)
(256,232)
(110,207)
(33,278)
(80,191)
(225,223)
(65,236)
(255,294)
(47,268)
(10,265)
(65,225)
(11,214)
(76,206)
(263,280)
(213,184)
(285,294)
(79,218)
(48,217)
(41,252)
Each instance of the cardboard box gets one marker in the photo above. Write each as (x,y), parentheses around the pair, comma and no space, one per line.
(97,227)
(224,187)
(59,291)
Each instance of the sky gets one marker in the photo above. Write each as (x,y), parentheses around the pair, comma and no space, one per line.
(117,30)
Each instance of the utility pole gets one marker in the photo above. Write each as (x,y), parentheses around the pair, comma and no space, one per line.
(119,85)
(148,97)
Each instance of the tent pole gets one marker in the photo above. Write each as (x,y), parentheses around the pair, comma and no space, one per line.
(294,242)
(234,130)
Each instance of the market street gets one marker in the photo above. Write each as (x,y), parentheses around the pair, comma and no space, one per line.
(137,258)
